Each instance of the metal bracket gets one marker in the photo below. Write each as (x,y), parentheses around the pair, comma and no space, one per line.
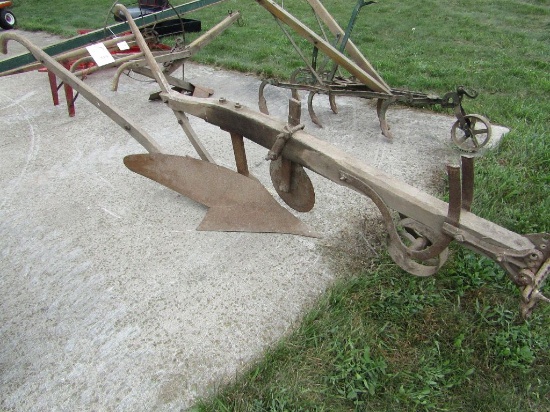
(282,138)
(527,269)
(425,244)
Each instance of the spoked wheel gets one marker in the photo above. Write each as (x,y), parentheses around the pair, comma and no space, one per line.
(474,135)
(7,19)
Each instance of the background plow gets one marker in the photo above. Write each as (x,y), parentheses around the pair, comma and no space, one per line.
(120,42)
(470,132)
(418,239)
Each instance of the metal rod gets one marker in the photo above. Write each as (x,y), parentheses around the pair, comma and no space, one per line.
(240,154)
(97,100)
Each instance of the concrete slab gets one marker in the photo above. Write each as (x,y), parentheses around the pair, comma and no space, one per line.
(111,300)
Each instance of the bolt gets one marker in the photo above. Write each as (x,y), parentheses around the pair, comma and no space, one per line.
(343,178)
(237,106)
(127,128)
(222,100)
(180,121)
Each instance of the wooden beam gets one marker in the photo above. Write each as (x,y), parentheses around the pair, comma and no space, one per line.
(312,37)
(330,162)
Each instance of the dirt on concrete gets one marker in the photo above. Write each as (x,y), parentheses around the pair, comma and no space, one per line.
(111,300)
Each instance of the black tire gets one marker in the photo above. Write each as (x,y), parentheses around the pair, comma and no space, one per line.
(7,19)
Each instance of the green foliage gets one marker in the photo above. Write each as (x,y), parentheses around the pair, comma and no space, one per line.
(356,374)
(384,340)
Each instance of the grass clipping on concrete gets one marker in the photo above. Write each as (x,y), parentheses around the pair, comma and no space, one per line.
(381,339)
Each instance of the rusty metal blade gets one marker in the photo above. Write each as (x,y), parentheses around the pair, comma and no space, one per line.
(236,203)
(293,186)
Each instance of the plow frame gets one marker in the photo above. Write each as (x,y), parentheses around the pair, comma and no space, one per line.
(470,132)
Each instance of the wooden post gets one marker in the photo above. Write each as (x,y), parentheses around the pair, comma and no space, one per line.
(240,155)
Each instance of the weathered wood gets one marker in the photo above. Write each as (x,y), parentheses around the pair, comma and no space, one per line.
(183,121)
(312,37)
(330,162)
(70,55)
(148,56)
(294,112)
(165,86)
(134,60)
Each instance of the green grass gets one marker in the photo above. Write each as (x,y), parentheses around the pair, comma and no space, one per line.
(380,339)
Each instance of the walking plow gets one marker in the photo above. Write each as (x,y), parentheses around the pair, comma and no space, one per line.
(420,226)
(470,132)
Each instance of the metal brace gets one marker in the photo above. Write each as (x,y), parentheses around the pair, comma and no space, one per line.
(282,138)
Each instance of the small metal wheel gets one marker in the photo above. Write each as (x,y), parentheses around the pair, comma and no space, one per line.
(300,195)
(416,236)
(474,135)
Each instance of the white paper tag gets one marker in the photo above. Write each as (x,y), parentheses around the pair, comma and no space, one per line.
(123,46)
(100,54)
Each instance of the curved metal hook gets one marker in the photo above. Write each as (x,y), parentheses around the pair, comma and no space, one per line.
(434,244)
(453,218)
(400,253)
(119,71)
(462,91)
(381,108)
(332,101)
(310,110)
